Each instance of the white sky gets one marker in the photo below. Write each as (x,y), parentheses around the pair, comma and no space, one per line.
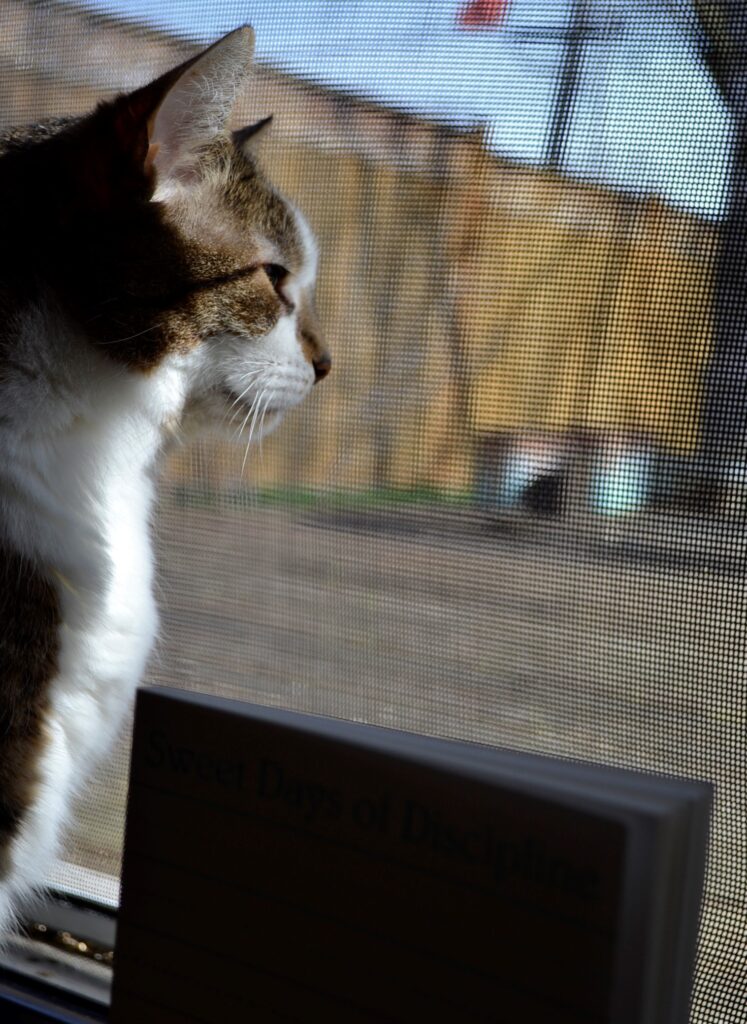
(647,117)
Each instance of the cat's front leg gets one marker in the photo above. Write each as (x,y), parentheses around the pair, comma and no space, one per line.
(69,666)
(31,847)
(35,768)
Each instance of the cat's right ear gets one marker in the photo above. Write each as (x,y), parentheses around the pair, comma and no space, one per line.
(165,123)
(197,106)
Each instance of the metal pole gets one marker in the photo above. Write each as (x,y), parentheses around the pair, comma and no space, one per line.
(568,83)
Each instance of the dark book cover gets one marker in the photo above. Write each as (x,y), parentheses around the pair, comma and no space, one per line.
(283,867)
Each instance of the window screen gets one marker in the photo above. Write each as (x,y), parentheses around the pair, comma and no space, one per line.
(515,510)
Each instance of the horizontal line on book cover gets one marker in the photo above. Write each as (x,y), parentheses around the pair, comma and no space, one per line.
(425,953)
(140,997)
(537,907)
(286,979)
(377,1016)
(314,915)
(174,976)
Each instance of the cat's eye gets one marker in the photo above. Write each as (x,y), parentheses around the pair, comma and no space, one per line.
(277,275)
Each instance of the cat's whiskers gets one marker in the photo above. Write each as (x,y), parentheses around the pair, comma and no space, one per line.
(257,407)
(257,382)
(253,374)
(261,430)
(103,302)
(139,334)
(254,410)
(240,431)
(229,416)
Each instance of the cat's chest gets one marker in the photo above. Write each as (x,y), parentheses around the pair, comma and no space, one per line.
(109,618)
(127,600)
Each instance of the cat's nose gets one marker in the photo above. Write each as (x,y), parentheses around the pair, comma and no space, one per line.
(322,365)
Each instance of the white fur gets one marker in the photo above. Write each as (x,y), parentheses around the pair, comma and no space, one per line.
(80,439)
(307,277)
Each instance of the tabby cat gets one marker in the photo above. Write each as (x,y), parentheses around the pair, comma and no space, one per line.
(152,284)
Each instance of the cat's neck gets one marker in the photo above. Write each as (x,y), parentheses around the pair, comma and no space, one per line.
(76,479)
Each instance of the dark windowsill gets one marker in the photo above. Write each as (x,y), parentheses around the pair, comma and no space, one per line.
(23,999)
(58,967)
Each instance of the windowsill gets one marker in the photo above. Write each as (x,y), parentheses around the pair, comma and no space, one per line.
(60,968)
(24,1000)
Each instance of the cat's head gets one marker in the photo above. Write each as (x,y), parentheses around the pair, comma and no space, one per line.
(168,246)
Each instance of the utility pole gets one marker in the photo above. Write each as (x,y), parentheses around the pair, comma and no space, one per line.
(575,39)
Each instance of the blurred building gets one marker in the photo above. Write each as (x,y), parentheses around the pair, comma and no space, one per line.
(469,300)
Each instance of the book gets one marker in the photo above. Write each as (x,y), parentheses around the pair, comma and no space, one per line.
(281,866)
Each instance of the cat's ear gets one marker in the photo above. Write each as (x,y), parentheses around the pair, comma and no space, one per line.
(122,150)
(162,125)
(245,136)
(197,105)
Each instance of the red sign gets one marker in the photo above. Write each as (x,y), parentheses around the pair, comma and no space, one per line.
(482,13)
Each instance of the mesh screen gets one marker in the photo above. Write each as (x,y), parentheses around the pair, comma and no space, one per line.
(515,511)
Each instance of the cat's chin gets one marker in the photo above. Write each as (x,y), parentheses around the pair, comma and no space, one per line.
(252,431)
(216,415)
(251,428)
(271,421)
